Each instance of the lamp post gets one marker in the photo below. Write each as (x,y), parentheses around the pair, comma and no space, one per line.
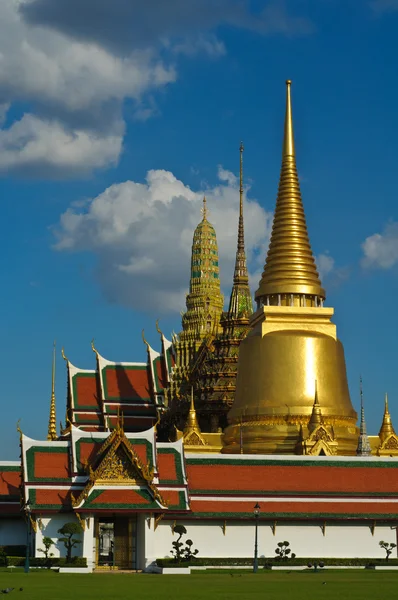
(27,510)
(256,516)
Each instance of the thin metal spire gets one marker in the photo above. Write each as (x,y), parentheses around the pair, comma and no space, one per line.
(52,421)
(240,300)
(363,448)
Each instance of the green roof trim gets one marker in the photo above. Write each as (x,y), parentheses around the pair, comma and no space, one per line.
(30,462)
(151,503)
(355,463)
(75,399)
(122,368)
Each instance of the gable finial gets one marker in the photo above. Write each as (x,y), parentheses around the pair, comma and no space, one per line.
(144,340)
(93,348)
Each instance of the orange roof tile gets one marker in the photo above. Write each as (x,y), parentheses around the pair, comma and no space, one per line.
(9,482)
(126,383)
(51,465)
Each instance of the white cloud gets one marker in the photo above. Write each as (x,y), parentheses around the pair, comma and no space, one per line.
(325,264)
(76,90)
(141,235)
(381,249)
(36,144)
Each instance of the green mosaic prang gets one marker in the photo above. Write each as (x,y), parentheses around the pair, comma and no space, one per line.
(30,454)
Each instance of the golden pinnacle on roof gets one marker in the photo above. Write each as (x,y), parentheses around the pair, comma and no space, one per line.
(52,422)
(316,415)
(192,433)
(386,428)
(204,209)
(290,266)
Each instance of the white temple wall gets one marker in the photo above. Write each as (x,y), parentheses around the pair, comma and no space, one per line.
(49,528)
(12,532)
(306,540)
(89,543)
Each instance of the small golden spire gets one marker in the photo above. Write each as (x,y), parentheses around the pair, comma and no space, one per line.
(52,421)
(290,265)
(386,428)
(316,415)
(204,209)
(192,425)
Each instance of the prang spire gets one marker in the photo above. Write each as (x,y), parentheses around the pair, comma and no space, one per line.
(386,428)
(363,448)
(240,301)
(316,415)
(52,421)
(290,271)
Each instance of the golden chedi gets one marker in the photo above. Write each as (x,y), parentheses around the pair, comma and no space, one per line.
(292,346)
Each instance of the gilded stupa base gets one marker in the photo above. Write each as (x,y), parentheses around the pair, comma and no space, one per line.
(279,436)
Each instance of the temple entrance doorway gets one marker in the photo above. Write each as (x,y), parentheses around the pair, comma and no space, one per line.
(116,539)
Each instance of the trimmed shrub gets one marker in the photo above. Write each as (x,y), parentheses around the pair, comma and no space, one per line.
(18,561)
(267,562)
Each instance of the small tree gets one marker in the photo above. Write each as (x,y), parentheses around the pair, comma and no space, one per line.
(283,552)
(388,548)
(179,552)
(68,531)
(47,543)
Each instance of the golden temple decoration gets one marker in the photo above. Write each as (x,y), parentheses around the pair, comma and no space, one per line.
(192,435)
(388,437)
(119,464)
(273,527)
(323,527)
(173,525)
(157,520)
(291,343)
(63,354)
(93,348)
(81,521)
(19,430)
(144,340)
(386,428)
(290,266)
(52,422)
(373,527)
(33,523)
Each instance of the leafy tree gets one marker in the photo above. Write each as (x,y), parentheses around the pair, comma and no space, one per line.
(68,531)
(179,552)
(47,543)
(283,552)
(388,548)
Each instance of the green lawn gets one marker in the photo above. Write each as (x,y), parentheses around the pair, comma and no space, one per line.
(274,585)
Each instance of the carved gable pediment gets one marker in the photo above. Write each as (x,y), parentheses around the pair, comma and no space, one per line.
(389,446)
(320,433)
(118,464)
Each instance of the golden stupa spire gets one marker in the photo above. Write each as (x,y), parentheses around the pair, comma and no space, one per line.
(290,268)
(386,428)
(316,415)
(52,422)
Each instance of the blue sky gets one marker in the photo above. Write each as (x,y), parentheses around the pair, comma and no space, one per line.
(117,117)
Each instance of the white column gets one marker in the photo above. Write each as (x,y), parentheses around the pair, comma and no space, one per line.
(88,550)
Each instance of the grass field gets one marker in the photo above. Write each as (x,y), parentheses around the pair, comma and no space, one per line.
(350,585)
